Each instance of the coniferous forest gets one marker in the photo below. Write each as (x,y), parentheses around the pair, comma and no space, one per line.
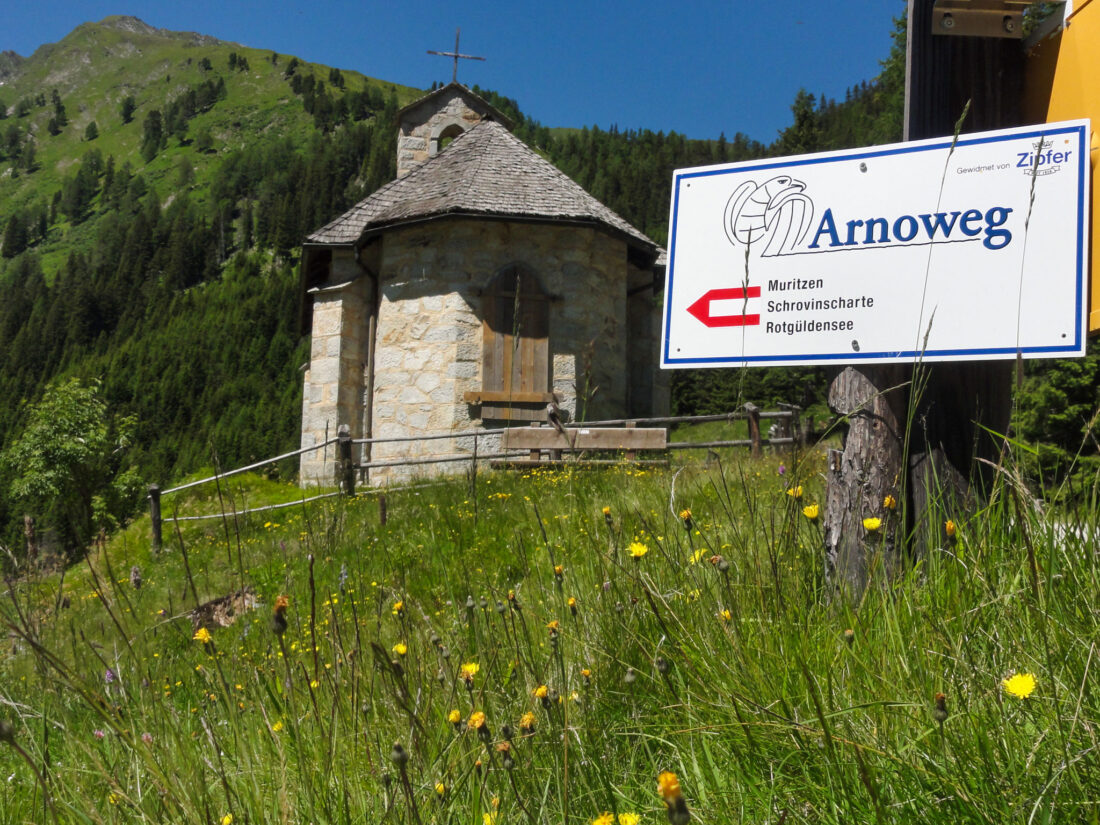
(149,238)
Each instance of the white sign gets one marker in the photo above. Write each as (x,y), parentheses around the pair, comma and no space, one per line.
(918,250)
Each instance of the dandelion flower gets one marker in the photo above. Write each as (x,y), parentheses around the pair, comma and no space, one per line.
(949,528)
(489,818)
(541,692)
(278,726)
(398,607)
(528,723)
(469,670)
(553,626)
(637,549)
(278,615)
(440,789)
(939,712)
(668,786)
(889,502)
(454,717)
(227,819)
(725,615)
(202,635)
(629,819)
(795,492)
(811,511)
(606,512)
(1020,685)
(606,818)
(477,720)
(400,648)
(872,525)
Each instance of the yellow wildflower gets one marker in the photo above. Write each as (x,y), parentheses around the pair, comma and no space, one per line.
(541,692)
(607,512)
(400,648)
(454,717)
(795,492)
(637,549)
(202,635)
(398,607)
(811,511)
(469,670)
(890,503)
(668,786)
(278,726)
(725,615)
(477,720)
(527,723)
(606,818)
(949,528)
(1020,685)
(227,819)
(629,819)
(554,625)
(872,524)
(440,788)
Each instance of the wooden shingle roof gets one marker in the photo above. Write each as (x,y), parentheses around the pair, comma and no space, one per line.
(486,171)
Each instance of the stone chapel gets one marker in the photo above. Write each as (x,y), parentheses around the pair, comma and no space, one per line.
(469,292)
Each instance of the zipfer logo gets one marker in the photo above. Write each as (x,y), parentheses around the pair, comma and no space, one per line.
(777,212)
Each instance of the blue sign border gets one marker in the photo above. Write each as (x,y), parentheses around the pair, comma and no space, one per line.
(851,357)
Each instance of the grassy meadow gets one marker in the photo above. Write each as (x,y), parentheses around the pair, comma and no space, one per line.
(538,647)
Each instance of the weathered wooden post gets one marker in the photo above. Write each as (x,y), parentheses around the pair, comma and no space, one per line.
(631,454)
(860,476)
(753,414)
(345,466)
(154,517)
(31,538)
(382,510)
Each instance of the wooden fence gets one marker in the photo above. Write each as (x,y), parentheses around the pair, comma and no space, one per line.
(787,430)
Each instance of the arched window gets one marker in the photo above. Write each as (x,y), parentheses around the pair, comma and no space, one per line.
(444,136)
(515,351)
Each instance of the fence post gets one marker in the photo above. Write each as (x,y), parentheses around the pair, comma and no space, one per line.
(154,516)
(382,509)
(31,537)
(346,465)
(631,454)
(753,413)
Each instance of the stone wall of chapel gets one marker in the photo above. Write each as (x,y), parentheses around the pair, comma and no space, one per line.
(333,387)
(428,344)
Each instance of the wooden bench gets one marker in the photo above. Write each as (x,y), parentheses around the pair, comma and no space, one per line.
(553,444)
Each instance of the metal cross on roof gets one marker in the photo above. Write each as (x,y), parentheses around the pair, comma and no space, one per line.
(455,54)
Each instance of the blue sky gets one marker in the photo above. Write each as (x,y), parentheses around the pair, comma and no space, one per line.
(699,68)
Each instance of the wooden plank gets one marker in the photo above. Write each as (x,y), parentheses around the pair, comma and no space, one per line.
(581,438)
(489,396)
(498,463)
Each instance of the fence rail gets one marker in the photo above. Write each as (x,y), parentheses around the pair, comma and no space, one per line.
(787,418)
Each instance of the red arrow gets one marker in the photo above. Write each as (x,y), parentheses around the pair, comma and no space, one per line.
(701,308)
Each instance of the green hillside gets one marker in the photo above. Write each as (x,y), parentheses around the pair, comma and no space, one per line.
(99,65)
